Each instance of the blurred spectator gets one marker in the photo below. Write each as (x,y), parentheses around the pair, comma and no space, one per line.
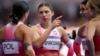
(73,34)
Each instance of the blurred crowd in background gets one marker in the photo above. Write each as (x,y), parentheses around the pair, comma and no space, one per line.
(69,9)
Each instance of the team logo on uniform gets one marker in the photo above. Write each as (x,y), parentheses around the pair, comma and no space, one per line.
(10,47)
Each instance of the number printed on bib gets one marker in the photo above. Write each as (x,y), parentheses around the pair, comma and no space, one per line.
(10,47)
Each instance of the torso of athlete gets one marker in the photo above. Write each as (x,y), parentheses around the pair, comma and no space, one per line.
(52,45)
(80,42)
(96,38)
(82,34)
(10,45)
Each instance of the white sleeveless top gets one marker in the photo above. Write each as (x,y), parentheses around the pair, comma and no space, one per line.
(53,41)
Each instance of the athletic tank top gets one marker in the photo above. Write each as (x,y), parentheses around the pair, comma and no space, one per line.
(10,45)
(84,38)
(52,44)
(96,40)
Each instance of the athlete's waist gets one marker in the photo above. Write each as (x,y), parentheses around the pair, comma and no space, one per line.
(46,54)
(97,53)
(42,51)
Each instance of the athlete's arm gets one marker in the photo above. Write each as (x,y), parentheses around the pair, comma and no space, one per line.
(67,41)
(27,40)
(76,45)
(90,33)
(78,41)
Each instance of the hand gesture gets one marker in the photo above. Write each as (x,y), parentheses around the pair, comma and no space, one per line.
(56,22)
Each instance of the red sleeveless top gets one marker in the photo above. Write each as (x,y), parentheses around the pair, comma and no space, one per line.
(10,45)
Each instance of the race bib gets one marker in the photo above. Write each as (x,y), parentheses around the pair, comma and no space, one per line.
(52,44)
(84,44)
(10,47)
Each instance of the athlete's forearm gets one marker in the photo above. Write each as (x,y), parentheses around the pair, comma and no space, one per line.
(70,51)
(29,49)
(69,44)
(90,46)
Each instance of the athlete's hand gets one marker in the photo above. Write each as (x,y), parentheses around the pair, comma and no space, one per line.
(56,22)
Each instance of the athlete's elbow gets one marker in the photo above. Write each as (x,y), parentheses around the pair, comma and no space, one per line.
(89,39)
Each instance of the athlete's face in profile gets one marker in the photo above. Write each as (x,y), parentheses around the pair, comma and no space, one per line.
(83,10)
(90,12)
(45,13)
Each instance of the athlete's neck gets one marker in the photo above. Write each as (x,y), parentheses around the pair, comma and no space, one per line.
(98,16)
(22,20)
(45,25)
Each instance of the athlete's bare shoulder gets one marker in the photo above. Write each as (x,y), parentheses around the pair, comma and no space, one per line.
(61,30)
(2,32)
(24,29)
(35,27)
(2,29)
(95,19)
(80,30)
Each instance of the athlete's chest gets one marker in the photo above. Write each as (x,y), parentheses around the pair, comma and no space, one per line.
(53,41)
